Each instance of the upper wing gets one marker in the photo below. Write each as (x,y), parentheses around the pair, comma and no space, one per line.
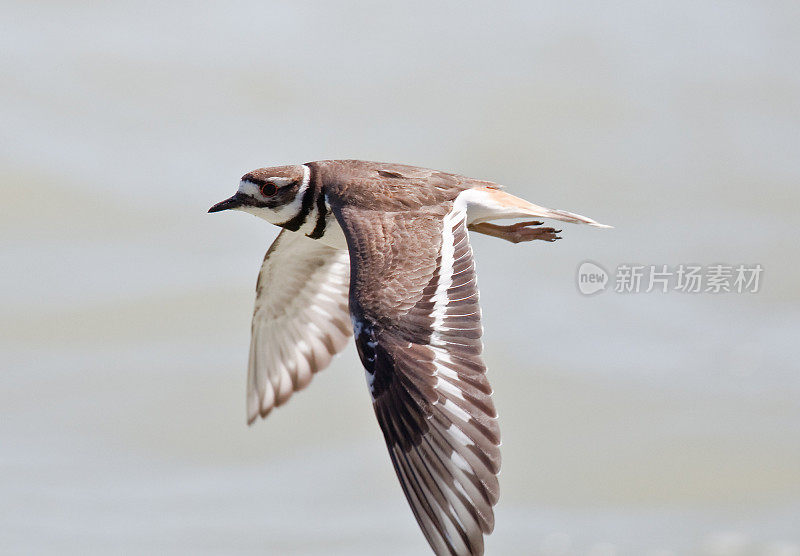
(300,321)
(414,305)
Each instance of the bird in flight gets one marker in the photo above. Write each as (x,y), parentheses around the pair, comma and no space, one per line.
(381,251)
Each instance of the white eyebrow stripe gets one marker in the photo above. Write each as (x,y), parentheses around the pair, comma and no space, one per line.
(280,182)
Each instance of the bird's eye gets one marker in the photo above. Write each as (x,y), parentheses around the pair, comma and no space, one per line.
(268,189)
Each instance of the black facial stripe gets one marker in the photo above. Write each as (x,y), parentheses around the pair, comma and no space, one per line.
(322,213)
(293,224)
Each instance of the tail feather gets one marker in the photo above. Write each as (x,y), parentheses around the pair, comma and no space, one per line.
(493,204)
(564,216)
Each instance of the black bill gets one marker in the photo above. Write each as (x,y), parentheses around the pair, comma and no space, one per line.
(234,202)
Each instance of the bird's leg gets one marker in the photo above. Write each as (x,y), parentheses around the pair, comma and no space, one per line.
(515,233)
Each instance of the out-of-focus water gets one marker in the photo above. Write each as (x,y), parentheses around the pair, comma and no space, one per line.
(632,424)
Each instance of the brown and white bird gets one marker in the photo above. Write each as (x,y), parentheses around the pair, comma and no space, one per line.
(382,251)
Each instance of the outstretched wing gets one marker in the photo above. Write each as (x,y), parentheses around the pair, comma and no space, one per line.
(300,320)
(414,305)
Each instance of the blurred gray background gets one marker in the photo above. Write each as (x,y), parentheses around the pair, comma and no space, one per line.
(632,424)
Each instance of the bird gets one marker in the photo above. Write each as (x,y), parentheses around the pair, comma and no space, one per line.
(381,252)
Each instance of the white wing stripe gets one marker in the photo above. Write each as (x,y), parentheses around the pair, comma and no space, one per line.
(446,385)
(440,300)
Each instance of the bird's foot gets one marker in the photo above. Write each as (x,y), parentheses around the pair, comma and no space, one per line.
(518,232)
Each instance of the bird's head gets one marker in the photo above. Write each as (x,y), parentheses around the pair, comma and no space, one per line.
(274,194)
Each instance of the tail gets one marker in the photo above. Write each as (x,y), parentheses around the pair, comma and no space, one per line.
(563,215)
(496,204)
